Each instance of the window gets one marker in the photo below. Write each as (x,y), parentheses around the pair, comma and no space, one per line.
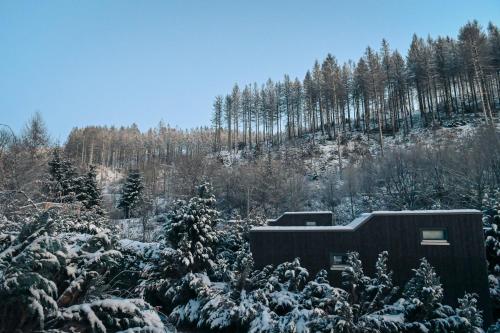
(338,261)
(310,223)
(434,236)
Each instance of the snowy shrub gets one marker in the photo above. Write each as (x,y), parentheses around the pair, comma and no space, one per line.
(264,322)
(8,231)
(290,275)
(319,294)
(110,315)
(492,243)
(30,270)
(295,321)
(468,309)
(54,278)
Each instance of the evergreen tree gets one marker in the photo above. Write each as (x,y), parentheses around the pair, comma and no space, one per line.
(64,181)
(381,289)
(492,244)
(191,231)
(423,291)
(353,277)
(90,193)
(468,309)
(53,282)
(131,193)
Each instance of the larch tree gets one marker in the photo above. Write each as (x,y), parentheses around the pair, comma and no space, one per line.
(473,42)
(217,122)
(35,135)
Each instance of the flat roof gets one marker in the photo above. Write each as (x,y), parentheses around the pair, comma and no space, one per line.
(363,218)
(309,212)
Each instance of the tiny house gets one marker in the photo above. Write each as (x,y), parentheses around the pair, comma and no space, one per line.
(451,240)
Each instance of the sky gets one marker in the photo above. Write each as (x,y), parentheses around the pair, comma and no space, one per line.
(116,63)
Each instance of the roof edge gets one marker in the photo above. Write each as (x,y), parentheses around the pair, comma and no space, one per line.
(365,217)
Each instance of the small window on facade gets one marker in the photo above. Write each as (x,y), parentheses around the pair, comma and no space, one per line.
(434,236)
(338,261)
(310,223)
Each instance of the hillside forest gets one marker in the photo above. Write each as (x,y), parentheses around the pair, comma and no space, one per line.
(122,230)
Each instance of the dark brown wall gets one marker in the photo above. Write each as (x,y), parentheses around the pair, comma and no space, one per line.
(300,219)
(461,265)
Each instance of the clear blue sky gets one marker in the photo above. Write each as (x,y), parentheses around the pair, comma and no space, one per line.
(118,62)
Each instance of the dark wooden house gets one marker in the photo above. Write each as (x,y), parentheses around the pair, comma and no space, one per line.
(451,240)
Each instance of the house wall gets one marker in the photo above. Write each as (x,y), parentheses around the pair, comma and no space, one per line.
(460,265)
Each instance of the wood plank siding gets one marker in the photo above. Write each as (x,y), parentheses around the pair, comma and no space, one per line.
(461,264)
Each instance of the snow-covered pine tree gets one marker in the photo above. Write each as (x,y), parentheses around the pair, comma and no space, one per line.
(468,309)
(492,243)
(354,279)
(131,193)
(59,274)
(423,292)
(291,275)
(90,193)
(30,271)
(64,181)
(380,290)
(191,232)
(110,315)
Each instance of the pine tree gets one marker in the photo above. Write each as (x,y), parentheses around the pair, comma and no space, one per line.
(492,245)
(90,193)
(131,193)
(468,309)
(381,290)
(64,181)
(353,277)
(424,291)
(191,231)
(53,282)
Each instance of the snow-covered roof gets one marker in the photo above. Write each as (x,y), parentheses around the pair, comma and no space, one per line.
(363,218)
(301,213)
(308,212)
(423,212)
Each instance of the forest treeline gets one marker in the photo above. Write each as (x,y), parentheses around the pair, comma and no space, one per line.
(381,93)
(275,130)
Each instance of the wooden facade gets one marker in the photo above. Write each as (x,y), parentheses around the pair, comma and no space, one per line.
(459,261)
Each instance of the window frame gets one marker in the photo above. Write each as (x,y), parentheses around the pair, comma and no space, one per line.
(311,224)
(444,241)
(338,267)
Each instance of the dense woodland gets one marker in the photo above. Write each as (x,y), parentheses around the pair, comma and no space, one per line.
(384,92)
(385,132)
(440,82)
